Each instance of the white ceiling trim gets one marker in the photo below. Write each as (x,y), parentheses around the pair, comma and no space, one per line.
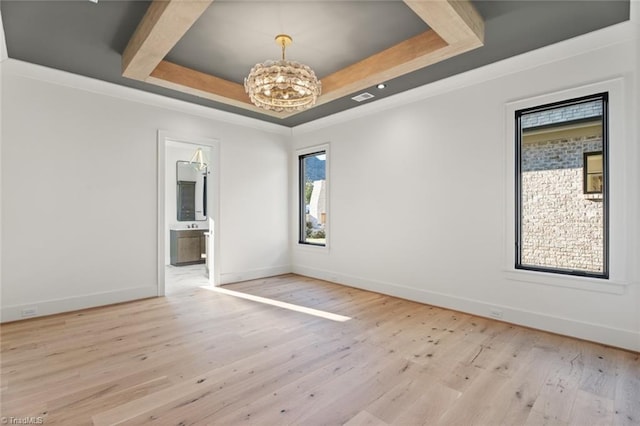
(585,43)
(75,81)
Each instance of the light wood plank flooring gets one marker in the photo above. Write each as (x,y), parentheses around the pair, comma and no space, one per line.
(205,357)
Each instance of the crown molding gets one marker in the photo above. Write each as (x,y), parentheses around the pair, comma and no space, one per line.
(596,40)
(75,81)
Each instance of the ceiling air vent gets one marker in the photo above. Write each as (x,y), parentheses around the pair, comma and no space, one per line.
(363,97)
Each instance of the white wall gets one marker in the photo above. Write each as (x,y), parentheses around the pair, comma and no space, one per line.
(79,190)
(437,171)
(3,57)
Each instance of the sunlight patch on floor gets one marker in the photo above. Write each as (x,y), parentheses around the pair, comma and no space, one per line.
(285,305)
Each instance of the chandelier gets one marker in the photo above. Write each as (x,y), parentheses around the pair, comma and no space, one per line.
(282,86)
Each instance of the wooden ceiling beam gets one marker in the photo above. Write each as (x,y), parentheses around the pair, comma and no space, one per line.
(186,80)
(456,21)
(409,55)
(455,27)
(162,26)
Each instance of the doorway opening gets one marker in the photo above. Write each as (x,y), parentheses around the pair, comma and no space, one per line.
(188,177)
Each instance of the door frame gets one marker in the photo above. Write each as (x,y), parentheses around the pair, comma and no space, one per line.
(213,202)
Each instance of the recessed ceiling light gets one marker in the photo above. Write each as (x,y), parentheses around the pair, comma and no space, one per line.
(381,86)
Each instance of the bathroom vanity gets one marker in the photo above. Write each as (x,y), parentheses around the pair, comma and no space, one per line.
(187,242)
(187,246)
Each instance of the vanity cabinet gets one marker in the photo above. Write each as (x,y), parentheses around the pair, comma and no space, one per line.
(188,246)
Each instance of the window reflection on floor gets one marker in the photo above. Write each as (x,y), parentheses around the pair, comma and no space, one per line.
(280,304)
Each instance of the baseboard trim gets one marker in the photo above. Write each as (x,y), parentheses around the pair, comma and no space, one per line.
(57,306)
(619,338)
(253,274)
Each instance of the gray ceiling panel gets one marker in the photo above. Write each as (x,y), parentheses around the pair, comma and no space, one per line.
(231,37)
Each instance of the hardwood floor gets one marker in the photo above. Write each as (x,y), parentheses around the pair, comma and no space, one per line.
(206,357)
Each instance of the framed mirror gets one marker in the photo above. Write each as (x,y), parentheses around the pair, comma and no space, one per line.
(191,191)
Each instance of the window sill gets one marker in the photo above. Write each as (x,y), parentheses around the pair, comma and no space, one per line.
(312,247)
(598,285)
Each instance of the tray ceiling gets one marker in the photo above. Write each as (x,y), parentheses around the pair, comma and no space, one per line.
(203,56)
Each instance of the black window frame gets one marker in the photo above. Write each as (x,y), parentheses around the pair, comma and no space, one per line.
(302,210)
(604,97)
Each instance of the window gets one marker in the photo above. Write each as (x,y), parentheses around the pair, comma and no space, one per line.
(593,176)
(561,187)
(313,198)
